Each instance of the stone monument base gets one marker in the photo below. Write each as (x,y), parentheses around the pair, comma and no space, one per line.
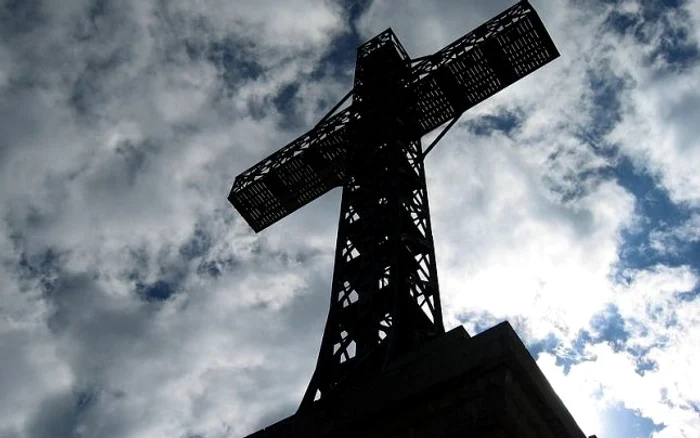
(486,386)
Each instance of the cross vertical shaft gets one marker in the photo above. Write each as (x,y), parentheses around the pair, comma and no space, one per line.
(384,295)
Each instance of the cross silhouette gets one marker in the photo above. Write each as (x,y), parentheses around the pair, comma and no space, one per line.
(385,300)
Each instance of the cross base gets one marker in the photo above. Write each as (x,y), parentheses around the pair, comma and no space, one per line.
(482,386)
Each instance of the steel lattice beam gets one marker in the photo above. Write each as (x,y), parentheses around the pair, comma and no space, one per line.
(295,175)
(444,85)
(473,68)
(384,295)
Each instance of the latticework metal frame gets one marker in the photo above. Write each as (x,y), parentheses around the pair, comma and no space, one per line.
(384,295)
(478,65)
(295,175)
(443,86)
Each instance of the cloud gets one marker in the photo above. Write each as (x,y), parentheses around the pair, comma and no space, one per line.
(531,212)
(515,246)
(425,27)
(674,240)
(663,328)
(657,128)
(123,127)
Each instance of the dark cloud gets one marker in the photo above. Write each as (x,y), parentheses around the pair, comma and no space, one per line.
(55,416)
(19,17)
(505,122)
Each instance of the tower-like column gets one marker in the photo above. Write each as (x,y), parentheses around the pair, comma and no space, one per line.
(384,295)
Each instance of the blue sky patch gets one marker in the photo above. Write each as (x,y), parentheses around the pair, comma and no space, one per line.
(505,122)
(286,104)
(627,423)
(159,290)
(197,245)
(547,345)
(233,62)
(609,326)
(606,89)
(655,211)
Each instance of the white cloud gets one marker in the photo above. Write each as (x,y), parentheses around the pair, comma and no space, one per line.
(578,391)
(424,27)
(659,130)
(527,229)
(126,145)
(293,26)
(513,248)
(670,329)
(32,369)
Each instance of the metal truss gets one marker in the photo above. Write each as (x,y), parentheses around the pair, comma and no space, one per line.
(495,27)
(295,175)
(442,86)
(384,295)
(479,64)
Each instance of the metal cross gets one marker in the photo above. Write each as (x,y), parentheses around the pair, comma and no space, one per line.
(385,300)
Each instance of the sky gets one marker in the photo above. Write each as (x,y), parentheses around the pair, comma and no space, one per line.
(136,302)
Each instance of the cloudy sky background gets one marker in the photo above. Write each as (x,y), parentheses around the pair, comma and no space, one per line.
(135,301)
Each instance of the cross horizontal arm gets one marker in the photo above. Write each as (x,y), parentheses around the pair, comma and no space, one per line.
(483,62)
(295,175)
(442,86)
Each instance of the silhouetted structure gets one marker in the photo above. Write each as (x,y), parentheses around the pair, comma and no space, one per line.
(385,301)
(487,386)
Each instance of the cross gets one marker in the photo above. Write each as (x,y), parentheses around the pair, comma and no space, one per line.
(385,300)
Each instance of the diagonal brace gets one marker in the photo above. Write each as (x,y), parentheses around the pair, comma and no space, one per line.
(439,137)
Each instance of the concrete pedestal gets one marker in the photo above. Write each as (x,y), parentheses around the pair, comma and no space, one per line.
(455,386)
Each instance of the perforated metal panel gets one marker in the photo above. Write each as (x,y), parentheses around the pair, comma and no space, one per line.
(295,175)
(480,64)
